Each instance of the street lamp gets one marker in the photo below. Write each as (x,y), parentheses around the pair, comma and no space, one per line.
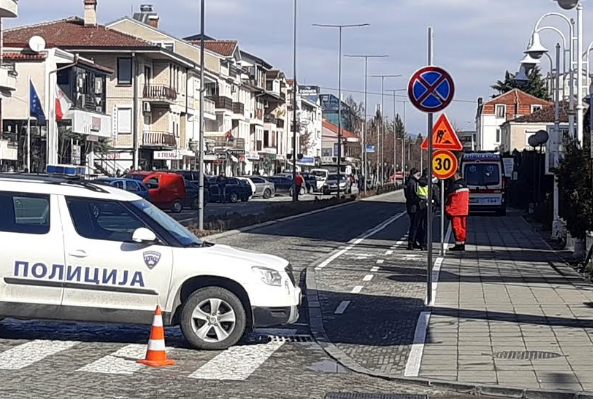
(568,4)
(394,91)
(201,135)
(364,126)
(521,76)
(536,49)
(381,152)
(340,28)
(529,62)
(295,194)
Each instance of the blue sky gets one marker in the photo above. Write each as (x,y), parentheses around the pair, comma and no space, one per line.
(476,40)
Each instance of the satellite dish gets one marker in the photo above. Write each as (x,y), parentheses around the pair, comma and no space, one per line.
(37,44)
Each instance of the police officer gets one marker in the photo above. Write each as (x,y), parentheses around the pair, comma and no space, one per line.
(412,203)
(457,209)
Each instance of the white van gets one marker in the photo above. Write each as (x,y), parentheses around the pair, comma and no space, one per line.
(484,174)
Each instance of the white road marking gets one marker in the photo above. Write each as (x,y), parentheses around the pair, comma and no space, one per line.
(417,349)
(342,307)
(357,289)
(415,358)
(399,243)
(380,261)
(122,361)
(360,239)
(26,354)
(388,252)
(368,277)
(237,363)
(375,269)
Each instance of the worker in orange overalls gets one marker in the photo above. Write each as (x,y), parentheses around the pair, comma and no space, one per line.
(457,209)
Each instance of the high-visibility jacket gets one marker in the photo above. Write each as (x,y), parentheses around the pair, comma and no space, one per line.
(458,199)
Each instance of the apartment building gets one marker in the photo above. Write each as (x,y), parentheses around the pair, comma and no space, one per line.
(275,143)
(145,96)
(79,132)
(491,115)
(309,126)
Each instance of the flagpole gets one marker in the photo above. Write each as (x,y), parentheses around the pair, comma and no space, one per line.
(29,131)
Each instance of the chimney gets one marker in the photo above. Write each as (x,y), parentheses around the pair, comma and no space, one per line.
(90,12)
(148,16)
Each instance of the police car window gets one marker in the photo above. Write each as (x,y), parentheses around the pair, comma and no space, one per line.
(22,213)
(103,220)
(118,184)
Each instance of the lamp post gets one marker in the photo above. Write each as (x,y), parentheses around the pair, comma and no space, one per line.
(364,126)
(381,139)
(201,135)
(394,91)
(295,194)
(340,28)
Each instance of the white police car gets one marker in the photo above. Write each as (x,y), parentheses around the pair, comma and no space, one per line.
(73,250)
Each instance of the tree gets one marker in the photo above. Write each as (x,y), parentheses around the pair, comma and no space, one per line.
(356,115)
(536,86)
(399,127)
(305,141)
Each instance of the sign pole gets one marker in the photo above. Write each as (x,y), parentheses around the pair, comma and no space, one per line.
(442,217)
(429,207)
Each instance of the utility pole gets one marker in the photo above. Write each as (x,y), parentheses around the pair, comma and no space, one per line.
(364,126)
(340,28)
(295,194)
(382,151)
(201,143)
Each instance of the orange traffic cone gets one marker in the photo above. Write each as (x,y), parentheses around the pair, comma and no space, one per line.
(156,354)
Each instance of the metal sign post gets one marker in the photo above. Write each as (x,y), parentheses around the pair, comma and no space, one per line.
(431,89)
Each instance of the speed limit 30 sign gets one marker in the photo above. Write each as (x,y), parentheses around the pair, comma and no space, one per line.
(444,164)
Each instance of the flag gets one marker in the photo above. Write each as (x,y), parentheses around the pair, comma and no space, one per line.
(63,104)
(35,108)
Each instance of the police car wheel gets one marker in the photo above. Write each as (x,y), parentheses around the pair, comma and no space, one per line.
(213,318)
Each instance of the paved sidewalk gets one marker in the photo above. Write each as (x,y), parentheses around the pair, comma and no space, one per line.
(510,313)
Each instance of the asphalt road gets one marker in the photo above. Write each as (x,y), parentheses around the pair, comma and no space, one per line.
(76,360)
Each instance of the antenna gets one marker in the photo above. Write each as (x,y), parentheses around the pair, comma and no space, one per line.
(37,43)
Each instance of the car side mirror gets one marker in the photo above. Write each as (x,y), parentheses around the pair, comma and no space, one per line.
(144,236)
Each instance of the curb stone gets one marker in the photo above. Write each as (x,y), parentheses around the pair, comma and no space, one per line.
(292,217)
(320,336)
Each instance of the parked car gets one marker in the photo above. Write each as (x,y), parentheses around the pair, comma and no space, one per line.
(236,190)
(331,184)
(131,185)
(282,185)
(166,189)
(313,182)
(263,188)
(248,181)
(193,176)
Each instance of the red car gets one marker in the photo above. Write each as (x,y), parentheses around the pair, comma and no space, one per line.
(166,190)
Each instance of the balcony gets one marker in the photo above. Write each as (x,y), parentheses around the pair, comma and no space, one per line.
(209,106)
(239,108)
(222,103)
(7,77)
(9,8)
(159,93)
(159,139)
(221,141)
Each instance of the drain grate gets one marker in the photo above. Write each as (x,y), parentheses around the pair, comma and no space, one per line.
(372,396)
(527,355)
(289,338)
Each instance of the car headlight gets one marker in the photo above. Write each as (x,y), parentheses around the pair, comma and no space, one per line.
(268,276)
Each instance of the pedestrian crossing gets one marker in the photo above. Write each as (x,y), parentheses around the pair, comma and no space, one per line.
(237,363)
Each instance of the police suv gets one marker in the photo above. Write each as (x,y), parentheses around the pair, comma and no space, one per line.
(74,250)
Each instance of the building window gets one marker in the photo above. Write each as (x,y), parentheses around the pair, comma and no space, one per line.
(501,111)
(124,120)
(124,71)
(497,135)
(535,108)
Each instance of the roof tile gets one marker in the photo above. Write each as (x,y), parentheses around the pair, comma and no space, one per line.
(225,48)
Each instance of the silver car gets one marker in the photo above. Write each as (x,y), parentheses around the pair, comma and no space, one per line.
(263,187)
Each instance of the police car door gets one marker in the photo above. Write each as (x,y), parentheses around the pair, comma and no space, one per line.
(32,266)
(108,276)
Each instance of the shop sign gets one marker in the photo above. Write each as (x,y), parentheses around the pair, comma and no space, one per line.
(167,155)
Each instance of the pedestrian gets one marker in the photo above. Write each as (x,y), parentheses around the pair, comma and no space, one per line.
(118,173)
(457,208)
(412,203)
(222,182)
(424,205)
(299,183)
